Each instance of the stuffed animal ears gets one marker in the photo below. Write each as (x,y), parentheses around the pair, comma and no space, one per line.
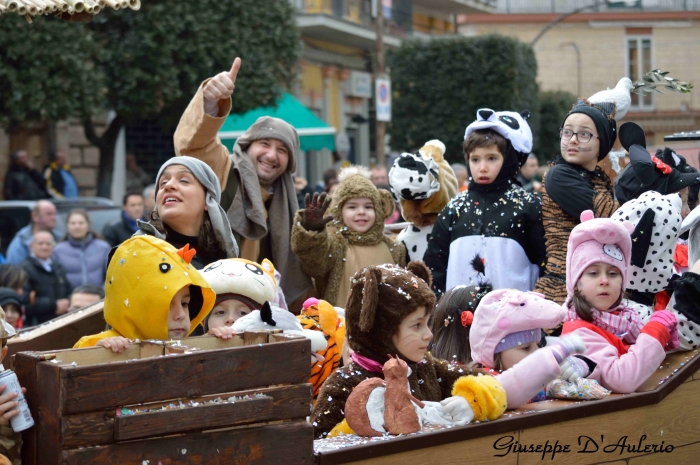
(387,202)
(370,298)
(266,314)
(632,134)
(269,269)
(418,268)
(641,238)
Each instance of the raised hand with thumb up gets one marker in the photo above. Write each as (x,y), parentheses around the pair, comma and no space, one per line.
(221,86)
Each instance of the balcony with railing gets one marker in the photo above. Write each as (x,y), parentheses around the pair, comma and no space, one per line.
(457,7)
(353,22)
(602,6)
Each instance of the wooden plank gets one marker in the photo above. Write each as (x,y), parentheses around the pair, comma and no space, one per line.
(60,333)
(256,336)
(26,374)
(87,429)
(97,428)
(288,443)
(183,376)
(474,452)
(49,394)
(688,454)
(660,422)
(183,420)
(212,343)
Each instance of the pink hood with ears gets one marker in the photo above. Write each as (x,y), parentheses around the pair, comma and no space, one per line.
(507,311)
(598,240)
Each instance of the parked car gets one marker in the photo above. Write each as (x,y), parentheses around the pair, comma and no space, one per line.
(16,214)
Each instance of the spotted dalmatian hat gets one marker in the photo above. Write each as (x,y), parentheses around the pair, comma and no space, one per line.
(657,224)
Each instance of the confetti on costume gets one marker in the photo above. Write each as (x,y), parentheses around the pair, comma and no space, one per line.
(491,233)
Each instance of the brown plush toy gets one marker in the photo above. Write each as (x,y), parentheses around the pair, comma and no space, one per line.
(375,401)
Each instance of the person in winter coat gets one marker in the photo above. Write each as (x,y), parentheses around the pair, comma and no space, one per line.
(47,285)
(257,189)
(43,218)
(22,181)
(387,315)
(333,251)
(621,351)
(122,229)
(491,234)
(59,180)
(82,255)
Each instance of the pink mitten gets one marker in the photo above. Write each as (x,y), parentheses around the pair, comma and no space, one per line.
(668,321)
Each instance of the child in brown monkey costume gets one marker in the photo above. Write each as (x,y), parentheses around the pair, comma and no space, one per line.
(332,248)
(383,304)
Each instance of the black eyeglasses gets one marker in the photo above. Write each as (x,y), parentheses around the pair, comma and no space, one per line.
(582,136)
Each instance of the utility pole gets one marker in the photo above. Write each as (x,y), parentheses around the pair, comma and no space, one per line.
(378,73)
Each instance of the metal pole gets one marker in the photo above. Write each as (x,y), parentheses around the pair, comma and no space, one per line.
(379,72)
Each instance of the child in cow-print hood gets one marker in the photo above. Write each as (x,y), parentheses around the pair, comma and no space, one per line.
(492,233)
(333,248)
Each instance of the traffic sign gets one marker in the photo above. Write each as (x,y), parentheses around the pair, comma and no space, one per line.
(383,99)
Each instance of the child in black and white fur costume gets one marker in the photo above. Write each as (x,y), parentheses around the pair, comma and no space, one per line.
(493,232)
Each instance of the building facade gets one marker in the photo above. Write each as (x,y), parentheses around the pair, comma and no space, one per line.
(590,49)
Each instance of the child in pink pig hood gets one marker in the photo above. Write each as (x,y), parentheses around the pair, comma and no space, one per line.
(621,352)
(505,334)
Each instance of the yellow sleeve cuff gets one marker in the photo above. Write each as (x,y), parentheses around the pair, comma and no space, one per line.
(485,395)
(341,429)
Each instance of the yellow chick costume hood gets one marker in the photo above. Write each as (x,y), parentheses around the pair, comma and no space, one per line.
(143,276)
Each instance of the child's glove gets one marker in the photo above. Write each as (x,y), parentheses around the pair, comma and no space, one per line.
(312,218)
(668,321)
(458,408)
(573,368)
(567,345)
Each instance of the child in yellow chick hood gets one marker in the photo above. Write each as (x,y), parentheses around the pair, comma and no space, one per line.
(152,292)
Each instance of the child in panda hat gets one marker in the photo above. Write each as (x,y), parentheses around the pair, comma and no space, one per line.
(492,233)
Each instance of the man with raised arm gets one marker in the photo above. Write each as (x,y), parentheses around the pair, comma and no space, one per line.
(256,179)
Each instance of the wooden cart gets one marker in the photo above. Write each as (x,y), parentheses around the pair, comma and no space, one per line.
(201,400)
(664,412)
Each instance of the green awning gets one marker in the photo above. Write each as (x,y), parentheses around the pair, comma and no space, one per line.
(314,134)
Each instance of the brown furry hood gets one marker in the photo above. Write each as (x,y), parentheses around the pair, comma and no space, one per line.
(355,183)
(380,298)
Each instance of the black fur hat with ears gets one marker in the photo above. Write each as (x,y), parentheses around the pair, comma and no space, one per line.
(380,298)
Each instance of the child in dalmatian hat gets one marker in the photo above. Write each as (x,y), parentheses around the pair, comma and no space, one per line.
(492,233)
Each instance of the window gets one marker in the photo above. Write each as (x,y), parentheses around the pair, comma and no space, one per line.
(639,62)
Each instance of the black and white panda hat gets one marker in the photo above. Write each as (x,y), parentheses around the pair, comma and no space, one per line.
(657,224)
(511,125)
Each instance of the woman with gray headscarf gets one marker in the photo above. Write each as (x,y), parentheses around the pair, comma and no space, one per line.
(187,211)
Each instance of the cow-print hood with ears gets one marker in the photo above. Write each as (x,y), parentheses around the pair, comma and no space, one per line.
(657,222)
(355,183)
(514,128)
